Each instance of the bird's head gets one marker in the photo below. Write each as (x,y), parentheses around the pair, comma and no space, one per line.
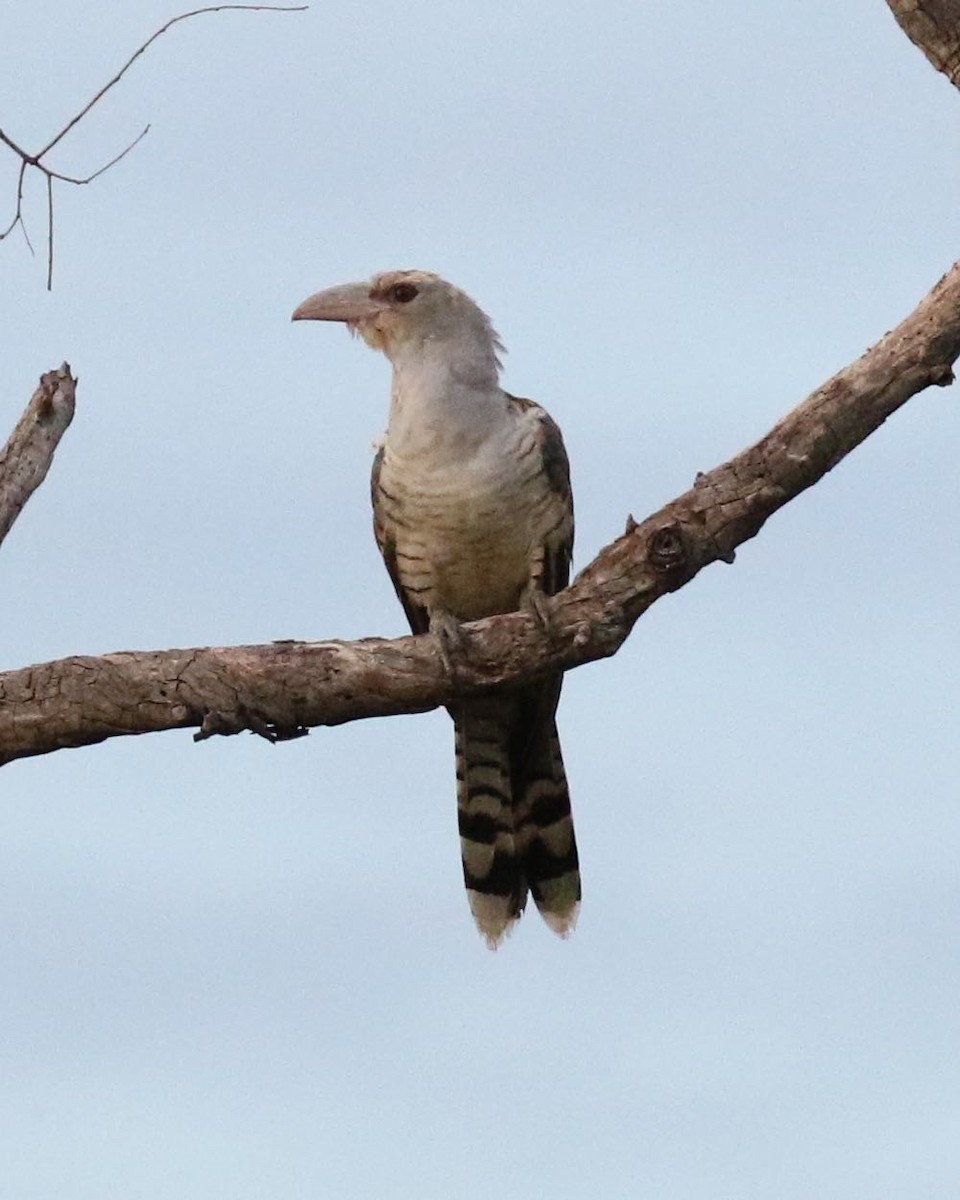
(404,313)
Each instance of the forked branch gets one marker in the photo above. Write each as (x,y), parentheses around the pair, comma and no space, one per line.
(280,690)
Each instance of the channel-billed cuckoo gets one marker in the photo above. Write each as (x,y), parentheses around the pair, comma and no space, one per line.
(473,514)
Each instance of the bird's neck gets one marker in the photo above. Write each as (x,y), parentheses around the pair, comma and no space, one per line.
(446,401)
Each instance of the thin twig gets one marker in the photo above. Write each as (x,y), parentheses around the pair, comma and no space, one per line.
(149,42)
(8,141)
(35,160)
(49,232)
(17,217)
(106,166)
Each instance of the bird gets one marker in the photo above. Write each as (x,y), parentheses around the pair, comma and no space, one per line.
(473,516)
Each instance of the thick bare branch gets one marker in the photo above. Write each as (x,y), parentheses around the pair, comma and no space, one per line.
(26,458)
(934,26)
(282,689)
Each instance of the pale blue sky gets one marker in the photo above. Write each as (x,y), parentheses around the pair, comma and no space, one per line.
(231,970)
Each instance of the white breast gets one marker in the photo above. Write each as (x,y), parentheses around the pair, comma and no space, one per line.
(464,529)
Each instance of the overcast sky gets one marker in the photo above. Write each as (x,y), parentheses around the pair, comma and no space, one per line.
(242,971)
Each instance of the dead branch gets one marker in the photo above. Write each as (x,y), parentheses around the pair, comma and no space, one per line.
(28,160)
(26,458)
(280,690)
(934,26)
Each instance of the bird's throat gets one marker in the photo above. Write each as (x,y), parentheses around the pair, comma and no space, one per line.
(444,407)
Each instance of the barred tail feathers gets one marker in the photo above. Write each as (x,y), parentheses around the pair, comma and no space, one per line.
(516,827)
(544,833)
(492,872)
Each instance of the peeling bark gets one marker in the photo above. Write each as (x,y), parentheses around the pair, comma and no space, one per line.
(26,458)
(281,690)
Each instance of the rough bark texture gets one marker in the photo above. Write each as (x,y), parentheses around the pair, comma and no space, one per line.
(934,26)
(281,690)
(26,458)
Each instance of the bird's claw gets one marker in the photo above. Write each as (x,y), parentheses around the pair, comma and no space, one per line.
(536,603)
(451,638)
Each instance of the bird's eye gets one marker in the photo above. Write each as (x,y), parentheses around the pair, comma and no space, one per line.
(403,293)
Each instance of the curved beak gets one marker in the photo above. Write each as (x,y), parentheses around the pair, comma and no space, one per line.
(349,302)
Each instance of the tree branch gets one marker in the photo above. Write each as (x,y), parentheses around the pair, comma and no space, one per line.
(280,690)
(26,458)
(36,160)
(934,26)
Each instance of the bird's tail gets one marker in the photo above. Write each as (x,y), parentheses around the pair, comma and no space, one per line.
(516,827)
(543,823)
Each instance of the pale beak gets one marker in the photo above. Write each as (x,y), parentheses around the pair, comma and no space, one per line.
(350,302)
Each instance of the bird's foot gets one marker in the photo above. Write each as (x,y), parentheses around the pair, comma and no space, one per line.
(535,602)
(452,639)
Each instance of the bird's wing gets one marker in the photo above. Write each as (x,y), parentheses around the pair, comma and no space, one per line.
(416,613)
(558,537)
(544,844)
